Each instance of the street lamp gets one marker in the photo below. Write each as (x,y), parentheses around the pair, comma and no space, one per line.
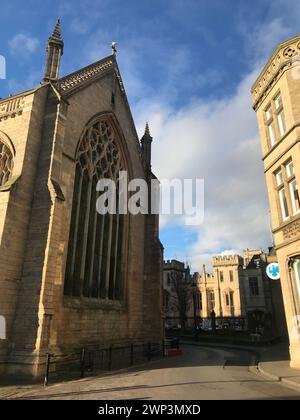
(220,300)
(194,303)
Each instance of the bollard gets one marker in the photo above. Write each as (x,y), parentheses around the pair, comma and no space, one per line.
(149,352)
(131,354)
(110,358)
(48,361)
(82,363)
(163,348)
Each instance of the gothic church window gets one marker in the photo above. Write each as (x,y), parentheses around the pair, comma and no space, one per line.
(94,260)
(6,163)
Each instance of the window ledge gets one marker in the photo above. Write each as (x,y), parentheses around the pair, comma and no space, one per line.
(9,184)
(287,222)
(93,304)
(280,140)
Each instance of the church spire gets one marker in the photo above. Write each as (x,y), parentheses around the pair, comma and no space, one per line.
(147,130)
(57,30)
(146,146)
(55,49)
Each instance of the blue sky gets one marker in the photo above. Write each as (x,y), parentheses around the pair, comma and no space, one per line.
(187,67)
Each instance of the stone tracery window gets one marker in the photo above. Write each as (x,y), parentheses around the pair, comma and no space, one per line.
(6,163)
(94,261)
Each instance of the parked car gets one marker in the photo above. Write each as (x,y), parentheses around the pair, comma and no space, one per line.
(238,327)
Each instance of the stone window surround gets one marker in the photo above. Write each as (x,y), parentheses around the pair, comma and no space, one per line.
(294,284)
(228,298)
(286,186)
(254,288)
(5,140)
(275,112)
(109,301)
(198,299)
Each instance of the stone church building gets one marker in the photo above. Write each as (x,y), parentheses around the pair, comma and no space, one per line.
(70,277)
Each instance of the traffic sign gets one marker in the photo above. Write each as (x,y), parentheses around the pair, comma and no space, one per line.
(273,271)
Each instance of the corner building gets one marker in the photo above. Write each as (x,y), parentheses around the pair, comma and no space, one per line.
(276,101)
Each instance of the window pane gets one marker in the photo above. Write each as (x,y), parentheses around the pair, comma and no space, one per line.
(294,196)
(269,113)
(253,285)
(283,204)
(290,169)
(199,302)
(78,261)
(278,102)
(281,122)
(68,287)
(6,163)
(297,278)
(279,178)
(272,135)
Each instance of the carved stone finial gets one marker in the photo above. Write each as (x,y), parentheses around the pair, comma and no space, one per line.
(55,49)
(57,30)
(114,47)
(147,130)
(146,146)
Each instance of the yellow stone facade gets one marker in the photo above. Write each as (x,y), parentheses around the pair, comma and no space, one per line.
(42,129)
(276,99)
(237,290)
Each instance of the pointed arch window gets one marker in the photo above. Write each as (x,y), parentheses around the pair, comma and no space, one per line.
(94,267)
(6,163)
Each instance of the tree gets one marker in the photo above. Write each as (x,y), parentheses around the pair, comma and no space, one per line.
(182,297)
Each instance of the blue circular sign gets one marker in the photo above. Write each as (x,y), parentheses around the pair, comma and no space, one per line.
(273,271)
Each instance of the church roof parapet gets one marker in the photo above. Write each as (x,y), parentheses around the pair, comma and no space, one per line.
(72,81)
(13,105)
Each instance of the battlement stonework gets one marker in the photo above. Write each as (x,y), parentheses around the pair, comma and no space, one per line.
(227,260)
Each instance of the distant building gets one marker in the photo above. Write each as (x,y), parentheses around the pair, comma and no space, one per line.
(239,292)
(276,101)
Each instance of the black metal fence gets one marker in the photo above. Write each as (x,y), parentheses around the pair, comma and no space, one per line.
(93,360)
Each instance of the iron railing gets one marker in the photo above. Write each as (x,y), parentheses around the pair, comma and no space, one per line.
(92,360)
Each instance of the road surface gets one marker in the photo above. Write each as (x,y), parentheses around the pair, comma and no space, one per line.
(200,374)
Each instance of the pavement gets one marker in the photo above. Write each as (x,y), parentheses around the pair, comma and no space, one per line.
(272,362)
(202,373)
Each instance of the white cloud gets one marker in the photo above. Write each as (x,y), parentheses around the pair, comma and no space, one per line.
(216,140)
(213,139)
(219,141)
(23,44)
